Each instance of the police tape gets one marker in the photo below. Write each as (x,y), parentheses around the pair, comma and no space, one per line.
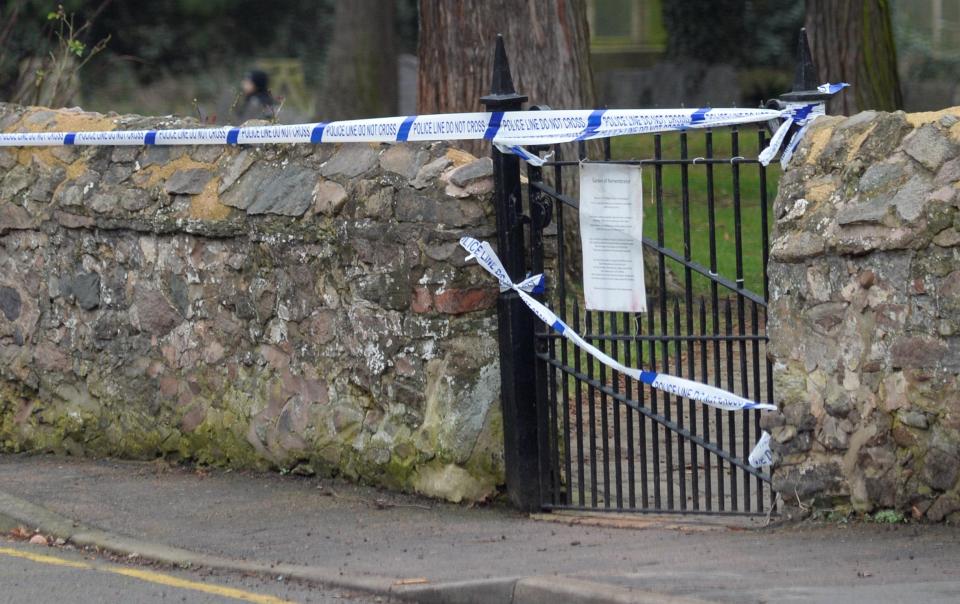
(682,387)
(761,455)
(801,114)
(509,131)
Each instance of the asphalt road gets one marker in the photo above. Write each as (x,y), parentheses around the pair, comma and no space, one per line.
(36,574)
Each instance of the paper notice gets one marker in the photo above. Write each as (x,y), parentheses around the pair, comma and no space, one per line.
(611,231)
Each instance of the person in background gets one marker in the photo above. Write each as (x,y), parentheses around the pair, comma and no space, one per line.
(257,103)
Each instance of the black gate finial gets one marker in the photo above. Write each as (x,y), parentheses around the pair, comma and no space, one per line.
(805,79)
(806,74)
(501,87)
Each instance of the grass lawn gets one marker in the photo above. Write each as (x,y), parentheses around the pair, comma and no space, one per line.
(642,147)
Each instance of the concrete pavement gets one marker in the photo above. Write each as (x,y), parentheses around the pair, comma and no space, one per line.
(408,545)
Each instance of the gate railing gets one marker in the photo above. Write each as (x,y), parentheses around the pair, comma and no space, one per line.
(578,435)
(614,443)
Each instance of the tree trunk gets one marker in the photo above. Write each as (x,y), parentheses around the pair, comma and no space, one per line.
(360,77)
(548,44)
(852,41)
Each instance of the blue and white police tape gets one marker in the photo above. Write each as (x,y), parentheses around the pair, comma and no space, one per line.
(510,131)
(801,114)
(682,387)
(832,88)
(761,454)
(505,129)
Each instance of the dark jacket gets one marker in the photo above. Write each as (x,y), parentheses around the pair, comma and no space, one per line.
(258,105)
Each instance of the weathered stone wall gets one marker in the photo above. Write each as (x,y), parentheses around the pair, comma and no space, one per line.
(865,316)
(305,308)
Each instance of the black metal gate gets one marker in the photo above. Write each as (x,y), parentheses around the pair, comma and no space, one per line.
(578,435)
(612,443)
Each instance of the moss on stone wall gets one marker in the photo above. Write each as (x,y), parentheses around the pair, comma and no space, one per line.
(300,308)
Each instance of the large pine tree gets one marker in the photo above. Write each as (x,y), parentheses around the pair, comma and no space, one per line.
(852,41)
(548,43)
(360,77)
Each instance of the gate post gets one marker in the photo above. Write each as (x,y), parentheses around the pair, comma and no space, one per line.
(514,319)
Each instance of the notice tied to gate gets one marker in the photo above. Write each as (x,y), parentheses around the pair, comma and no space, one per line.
(611,232)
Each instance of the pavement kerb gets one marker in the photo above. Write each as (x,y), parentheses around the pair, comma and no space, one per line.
(15,511)
(535,590)
(549,590)
(19,512)
(480,591)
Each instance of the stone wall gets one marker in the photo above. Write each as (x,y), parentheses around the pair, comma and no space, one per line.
(304,308)
(865,317)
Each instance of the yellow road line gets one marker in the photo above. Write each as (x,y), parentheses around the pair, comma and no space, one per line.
(42,559)
(217,590)
(149,576)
